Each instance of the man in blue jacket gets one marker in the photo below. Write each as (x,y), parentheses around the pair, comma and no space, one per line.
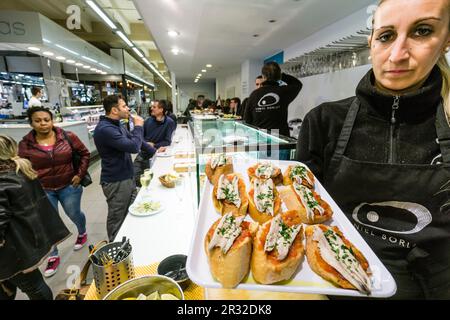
(158,131)
(115,145)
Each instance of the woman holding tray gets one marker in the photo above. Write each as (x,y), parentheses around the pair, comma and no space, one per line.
(384,155)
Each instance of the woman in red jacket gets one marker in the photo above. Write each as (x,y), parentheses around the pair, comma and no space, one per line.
(50,153)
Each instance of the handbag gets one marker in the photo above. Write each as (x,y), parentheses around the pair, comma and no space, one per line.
(76,159)
(81,287)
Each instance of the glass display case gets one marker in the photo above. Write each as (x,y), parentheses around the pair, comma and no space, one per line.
(238,139)
(89,114)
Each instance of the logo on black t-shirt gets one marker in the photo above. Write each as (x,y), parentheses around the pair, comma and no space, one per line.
(269,100)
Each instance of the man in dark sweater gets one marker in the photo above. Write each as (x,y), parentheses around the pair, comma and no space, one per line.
(158,131)
(115,145)
(267,107)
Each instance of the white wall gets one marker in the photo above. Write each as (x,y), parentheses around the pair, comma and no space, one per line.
(250,69)
(190,90)
(230,86)
(326,87)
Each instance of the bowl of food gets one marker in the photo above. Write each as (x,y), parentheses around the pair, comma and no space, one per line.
(174,267)
(169,180)
(154,287)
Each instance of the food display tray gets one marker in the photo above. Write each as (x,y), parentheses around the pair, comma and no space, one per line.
(305,280)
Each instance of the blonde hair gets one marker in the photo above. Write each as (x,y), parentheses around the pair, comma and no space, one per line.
(8,151)
(443,67)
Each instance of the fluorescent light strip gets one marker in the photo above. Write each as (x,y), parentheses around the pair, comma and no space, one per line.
(124,38)
(140,79)
(68,50)
(87,58)
(104,65)
(158,73)
(138,52)
(45,40)
(102,15)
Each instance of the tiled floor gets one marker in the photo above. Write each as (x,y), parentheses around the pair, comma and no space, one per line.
(94,206)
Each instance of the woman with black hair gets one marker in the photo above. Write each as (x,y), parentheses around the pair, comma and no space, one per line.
(50,152)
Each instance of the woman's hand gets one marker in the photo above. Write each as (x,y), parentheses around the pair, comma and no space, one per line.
(76,181)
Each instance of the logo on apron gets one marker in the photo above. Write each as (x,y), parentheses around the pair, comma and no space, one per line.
(393,216)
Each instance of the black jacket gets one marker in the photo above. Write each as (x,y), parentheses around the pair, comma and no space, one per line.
(29,224)
(267,106)
(413,139)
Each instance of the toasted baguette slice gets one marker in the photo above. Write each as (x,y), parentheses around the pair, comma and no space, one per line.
(231,268)
(223,206)
(321,267)
(214,174)
(277,176)
(266,268)
(287,181)
(292,202)
(262,217)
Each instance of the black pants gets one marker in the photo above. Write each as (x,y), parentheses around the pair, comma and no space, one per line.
(32,284)
(141,163)
(119,196)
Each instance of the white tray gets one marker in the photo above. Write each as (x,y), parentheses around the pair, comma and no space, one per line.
(306,280)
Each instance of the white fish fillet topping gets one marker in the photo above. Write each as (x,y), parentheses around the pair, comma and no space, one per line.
(264,170)
(227,190)
(280,237)
(217,161)
(300,173)
(264,197)
(228,229)
(309,202)
(343,260)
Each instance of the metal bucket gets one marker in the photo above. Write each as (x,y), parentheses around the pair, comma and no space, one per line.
(109,277)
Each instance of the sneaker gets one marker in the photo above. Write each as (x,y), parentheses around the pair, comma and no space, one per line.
(81,241)
(52,266)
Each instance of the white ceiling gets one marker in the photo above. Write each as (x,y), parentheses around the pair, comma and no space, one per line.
(221,32)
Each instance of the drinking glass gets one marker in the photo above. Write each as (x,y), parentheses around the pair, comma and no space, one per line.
(145,181)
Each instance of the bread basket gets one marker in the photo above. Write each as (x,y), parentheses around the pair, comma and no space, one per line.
(167,183)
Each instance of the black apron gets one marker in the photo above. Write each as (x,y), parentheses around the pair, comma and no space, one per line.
(405,216)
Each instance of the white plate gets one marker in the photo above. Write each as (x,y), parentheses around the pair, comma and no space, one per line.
(137,214)
(204,117)
(306,280)
(165,154)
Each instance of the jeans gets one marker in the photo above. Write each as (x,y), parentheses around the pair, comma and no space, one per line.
(32,284)
(70,198)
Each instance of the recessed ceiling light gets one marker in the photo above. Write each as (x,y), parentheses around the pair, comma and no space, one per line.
(34,49)
(173,33)
(60,58)
(86,67)
(70,61)
(93,69)
(78,64)
(209,65)
(199,75)
(175,51)
(48,53)
(204,70)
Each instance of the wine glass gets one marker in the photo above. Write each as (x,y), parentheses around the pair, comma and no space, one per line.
(145,181)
